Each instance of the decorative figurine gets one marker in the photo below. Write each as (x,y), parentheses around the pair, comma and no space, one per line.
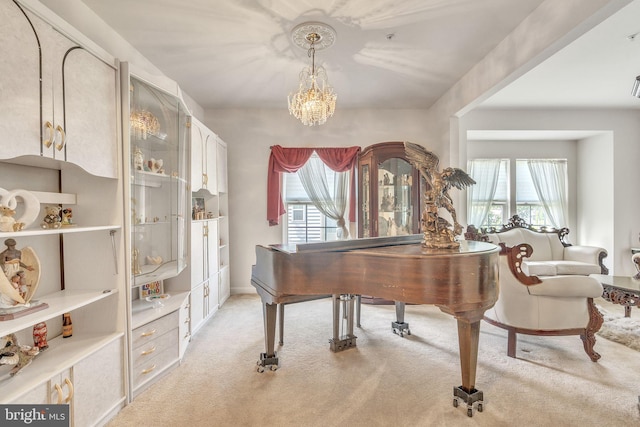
(40,336)
(7,221)
(636,262)
(135,264)
(67,217)
(154,260)
(21,276)
(438,232)
(138,159)
(52,218)
(11,353)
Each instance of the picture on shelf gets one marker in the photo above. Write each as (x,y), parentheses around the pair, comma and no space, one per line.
(150,289)
(197,208)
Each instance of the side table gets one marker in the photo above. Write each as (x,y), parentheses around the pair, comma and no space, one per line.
(623,290)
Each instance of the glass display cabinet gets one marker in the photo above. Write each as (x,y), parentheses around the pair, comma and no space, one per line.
(158,135)
(389,192)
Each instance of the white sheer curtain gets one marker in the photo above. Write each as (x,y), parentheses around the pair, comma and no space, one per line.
(485,173)
(550,181)
(313,176)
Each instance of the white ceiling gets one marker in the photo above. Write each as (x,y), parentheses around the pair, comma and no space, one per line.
(388,53)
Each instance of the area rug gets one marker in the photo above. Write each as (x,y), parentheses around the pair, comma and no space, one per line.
(620,329)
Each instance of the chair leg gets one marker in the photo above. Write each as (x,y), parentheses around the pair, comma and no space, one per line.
(589,335)
(511,343)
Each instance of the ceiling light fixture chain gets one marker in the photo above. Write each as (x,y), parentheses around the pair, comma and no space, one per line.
(315,100)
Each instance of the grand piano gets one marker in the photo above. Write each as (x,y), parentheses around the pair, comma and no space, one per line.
(462,282)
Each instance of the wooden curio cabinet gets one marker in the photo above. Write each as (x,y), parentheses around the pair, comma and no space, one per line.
(389,192)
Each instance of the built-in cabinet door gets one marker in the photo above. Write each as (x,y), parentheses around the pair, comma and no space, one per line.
(197,147)
(90,113)
(212,248)
(197,253)
(222,166)
(20,73)
(58,100)
(197,307)
(97,391)
(210,155)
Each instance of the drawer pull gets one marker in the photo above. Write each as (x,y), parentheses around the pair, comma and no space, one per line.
(146,371)
(187,336)
(147,352)
(187,320)
(149,333)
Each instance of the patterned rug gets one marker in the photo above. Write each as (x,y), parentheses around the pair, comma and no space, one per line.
(620,329)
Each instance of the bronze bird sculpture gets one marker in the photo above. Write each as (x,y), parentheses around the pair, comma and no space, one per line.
(438,232)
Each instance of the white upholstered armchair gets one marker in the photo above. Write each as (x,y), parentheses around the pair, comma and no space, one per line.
(546,305)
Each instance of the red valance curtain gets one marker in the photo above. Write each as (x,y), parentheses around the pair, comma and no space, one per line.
(292,159)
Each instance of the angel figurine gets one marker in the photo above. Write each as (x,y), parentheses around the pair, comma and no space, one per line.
(438,232)
(20,275)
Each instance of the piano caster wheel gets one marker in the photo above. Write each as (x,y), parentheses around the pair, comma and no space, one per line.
(273,367)
(479,407)
(469,412)
(455,402)
(260,369)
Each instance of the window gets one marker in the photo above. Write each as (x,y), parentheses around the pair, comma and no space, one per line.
(528,204)
(533,189)
(305,223)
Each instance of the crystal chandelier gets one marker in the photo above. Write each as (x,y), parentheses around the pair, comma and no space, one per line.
(315,100)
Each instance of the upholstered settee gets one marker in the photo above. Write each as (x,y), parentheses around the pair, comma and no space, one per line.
(551,305)
(545,287)
(552,255)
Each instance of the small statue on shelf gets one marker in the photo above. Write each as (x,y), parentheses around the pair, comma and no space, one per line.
(135,263)
(52,218)
(67,217)
(7,221)
(138,159)
(20,275)
(12,353)
(40,336)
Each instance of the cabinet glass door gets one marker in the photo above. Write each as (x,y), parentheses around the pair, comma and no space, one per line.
(395,210)
(158,135)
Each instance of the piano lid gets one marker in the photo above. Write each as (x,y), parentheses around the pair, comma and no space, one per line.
(348,245)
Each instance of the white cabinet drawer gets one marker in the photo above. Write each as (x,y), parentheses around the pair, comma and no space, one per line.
(151,330)
(148,350)
(150,368)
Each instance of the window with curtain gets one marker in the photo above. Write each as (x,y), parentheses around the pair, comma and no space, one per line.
(534,189)
(488,199)
(305,222)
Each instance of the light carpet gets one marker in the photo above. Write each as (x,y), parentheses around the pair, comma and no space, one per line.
(386,380)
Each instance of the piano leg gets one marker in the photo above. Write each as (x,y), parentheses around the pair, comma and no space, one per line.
(269,357)
(399,326)
(339,343)
(468,336)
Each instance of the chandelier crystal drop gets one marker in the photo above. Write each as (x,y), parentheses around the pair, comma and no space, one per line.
(315,100)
